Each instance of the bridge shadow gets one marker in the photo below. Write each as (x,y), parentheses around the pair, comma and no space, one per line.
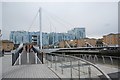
(113,76)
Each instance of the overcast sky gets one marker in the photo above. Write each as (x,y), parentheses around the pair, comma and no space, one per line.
(99,18)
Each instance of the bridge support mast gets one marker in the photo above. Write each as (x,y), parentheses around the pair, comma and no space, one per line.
(40,25)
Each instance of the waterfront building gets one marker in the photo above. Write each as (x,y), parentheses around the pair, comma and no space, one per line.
(52,38)
(27,37)
(55,38)
(45,39)
(19,37)
(86,42)
(112,40)
(79,33)
(6,45)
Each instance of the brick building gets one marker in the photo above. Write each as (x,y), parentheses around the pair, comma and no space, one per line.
(86,42)
(6,45)
(112,40)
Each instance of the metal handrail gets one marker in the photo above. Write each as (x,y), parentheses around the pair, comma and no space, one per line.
(95,66)
(39,52)
(36,49)
(16,55)
(19,48)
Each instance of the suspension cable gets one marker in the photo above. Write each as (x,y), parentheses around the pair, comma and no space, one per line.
(33,21)
(58,19)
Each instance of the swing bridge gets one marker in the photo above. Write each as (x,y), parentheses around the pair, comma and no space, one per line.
(71,63)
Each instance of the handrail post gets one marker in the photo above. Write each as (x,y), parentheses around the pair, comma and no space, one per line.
(71,67)
(46,59)
(89,57)
(42,57)
(61,66)
(103,59)
(85,56)
(94,59)
(19,58)
(89,68)
(111,60)
(55,62)
(79,69)
(51,60)
(35,58)
(27,57)
(89,71)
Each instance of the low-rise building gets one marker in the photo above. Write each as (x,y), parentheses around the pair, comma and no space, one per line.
(7,45)
(86,42)
(112,40)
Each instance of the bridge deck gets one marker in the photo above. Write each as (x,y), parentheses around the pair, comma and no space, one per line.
(31,58)
(41,70)
(25,71)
